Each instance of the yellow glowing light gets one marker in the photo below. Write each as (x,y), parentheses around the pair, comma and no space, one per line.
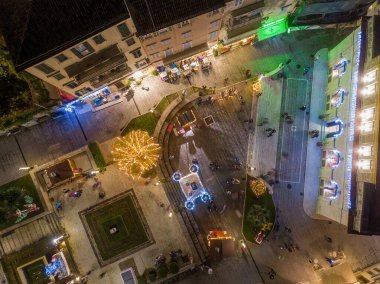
(258,187)
(135,153)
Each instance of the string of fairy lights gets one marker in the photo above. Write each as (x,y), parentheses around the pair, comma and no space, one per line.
(135,153)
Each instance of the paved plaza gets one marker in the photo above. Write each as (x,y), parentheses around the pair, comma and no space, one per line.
(228,138)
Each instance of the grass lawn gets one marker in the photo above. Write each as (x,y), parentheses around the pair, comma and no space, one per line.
(97,155)
(145,122)
(148,121)
(164,103)
(27,184)
(265,201)
(117,227)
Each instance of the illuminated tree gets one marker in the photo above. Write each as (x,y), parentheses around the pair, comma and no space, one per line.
(135,153)
(258,187)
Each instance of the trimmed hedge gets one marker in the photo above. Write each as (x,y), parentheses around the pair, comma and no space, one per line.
(97,155)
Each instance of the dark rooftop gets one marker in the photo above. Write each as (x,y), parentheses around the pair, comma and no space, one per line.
(153,15)
(35,30)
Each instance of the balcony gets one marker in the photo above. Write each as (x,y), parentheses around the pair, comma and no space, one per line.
(111,75)
(96,64)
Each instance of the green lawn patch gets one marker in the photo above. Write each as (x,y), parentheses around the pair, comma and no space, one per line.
(97,155)
(265,213)
(148,121)
(117,227)
(12,197)
(145,122)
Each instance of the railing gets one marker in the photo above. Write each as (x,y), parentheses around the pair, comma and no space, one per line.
(110,77)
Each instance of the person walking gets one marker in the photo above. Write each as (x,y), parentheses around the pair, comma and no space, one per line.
(303,108)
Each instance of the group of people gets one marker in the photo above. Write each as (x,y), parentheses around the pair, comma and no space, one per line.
(230,92)
(287,118)
(270,131)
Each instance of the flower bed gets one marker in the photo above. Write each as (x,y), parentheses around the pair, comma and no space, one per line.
(259,210)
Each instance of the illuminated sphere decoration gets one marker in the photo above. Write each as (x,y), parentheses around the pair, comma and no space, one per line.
(135,153)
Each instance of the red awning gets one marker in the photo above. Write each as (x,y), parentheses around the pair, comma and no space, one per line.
(66,97)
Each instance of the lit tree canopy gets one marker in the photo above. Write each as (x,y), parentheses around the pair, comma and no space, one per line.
(135,153)
(258,187)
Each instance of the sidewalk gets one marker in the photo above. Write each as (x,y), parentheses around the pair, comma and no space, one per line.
(262,150)
(314,153)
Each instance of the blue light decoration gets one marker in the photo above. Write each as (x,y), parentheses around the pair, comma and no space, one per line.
(194,168)
(189,205)
(335,134)
(351,131)
(205,197)
(341,66)
(192,187)
(333,187)
(57,267)
(176,176)
(69,107)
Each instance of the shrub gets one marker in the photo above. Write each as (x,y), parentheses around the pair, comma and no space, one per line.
(154,72)
(152,274)
(162,271)
(215,52)
(97,155)
(141,280)
(173,267)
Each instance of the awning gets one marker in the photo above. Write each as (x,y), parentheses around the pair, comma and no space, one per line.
(185,54)
(247,9)
(252,27)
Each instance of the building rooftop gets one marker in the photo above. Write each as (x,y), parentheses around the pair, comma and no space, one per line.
(153,15)
(35,30)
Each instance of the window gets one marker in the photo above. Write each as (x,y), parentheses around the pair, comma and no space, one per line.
(98,39)
(83,49)
(151,46)
(168,52)
(123,30)
(213,35)
(186,34)
(370,89)
(365,165)
(186,45)
(367,114)
(72,85)
(367,127)
(183,24)
(214,24)
(130,41)
(155,55)
(238,3)
(136,53)
(58,76)
(61,57)
(370,76)
(366,151)
(166,41)
(45,68)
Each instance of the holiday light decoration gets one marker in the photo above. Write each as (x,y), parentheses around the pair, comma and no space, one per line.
(258,187)
(135,153)
(256,86)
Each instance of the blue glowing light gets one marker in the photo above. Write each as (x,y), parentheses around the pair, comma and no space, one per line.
(189,205)
(206,198)
(194,168)
(176,176)
(352,121)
